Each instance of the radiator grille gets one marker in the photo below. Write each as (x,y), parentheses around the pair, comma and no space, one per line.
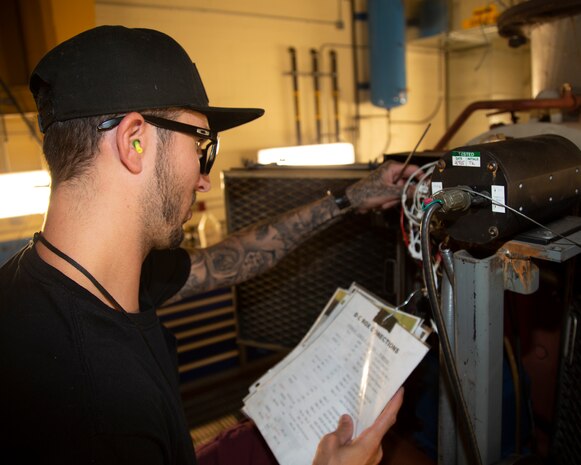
(278,308)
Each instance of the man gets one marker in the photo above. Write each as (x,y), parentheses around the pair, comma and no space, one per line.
(88,373)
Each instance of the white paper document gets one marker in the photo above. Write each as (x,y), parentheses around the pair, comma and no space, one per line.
(353,361)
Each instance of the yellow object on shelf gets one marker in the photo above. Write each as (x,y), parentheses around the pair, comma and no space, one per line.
(483,16)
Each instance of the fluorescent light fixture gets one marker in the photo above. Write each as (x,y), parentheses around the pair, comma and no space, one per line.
(340,153)
(24,193)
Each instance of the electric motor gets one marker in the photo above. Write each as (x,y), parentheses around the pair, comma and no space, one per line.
(538,176)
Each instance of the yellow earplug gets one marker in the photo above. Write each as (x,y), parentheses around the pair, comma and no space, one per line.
(137,146)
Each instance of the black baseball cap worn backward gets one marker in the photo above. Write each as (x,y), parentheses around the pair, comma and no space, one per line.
(114,69)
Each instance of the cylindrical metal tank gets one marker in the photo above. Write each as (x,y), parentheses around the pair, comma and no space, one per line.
(556,55)
(537,176)
(554,32)
(386,22)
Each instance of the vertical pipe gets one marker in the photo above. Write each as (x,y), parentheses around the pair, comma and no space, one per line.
(295,81)
(335,92)
(355,68)
(316,86)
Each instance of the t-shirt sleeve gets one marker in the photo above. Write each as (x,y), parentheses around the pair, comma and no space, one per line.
(164,273)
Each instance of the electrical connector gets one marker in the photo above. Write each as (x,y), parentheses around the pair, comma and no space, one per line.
(453,200)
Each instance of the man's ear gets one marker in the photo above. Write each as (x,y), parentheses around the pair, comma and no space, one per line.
(132,142)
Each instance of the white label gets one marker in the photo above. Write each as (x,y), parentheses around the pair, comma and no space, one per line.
(498,196)
(470,159)
(436,187)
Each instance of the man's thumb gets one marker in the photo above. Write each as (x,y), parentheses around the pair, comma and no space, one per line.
(344,429)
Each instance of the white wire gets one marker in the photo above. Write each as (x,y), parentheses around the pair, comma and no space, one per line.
(415,245)
(435,268)
(413,212)
(422,191)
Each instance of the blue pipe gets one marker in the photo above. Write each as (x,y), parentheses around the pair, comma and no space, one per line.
(386,21)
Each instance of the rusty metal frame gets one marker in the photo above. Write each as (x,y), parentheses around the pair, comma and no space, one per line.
(476,316)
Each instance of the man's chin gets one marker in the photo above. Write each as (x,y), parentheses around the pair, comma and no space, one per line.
(173,241)
(176,238)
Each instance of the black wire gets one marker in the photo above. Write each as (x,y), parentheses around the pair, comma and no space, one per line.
(221,11)
(445,347)
(525,391)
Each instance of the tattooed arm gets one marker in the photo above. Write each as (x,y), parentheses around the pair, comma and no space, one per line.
(255,249)
(378,190)
(258,247)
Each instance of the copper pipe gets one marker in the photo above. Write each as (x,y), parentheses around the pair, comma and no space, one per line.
(567,101)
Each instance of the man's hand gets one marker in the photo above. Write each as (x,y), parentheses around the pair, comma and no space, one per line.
(378,190)
(337,448)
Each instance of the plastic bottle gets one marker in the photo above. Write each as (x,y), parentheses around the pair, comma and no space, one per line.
(209,228)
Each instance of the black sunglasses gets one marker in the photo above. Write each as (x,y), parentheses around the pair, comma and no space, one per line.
(208,143)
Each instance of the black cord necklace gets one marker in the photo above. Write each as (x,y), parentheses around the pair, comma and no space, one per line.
(39,237)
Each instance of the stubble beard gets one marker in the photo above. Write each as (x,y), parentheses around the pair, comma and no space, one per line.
(163,220)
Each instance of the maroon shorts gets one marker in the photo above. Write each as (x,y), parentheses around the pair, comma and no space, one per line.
(242,444)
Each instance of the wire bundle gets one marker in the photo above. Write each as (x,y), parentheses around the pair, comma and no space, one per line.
(412,203)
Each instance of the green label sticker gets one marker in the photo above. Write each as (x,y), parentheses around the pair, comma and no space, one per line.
(460,158)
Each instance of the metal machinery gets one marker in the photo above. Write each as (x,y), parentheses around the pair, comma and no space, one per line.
(485,190)
(539,176)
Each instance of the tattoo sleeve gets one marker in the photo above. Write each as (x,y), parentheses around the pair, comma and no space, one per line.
(255,249)
(375,186)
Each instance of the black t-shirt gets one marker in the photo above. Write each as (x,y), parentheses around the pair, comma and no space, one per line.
(81,383)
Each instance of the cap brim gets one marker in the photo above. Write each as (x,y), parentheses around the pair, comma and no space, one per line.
(221,119)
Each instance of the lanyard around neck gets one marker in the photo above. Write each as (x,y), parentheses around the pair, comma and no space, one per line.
(39,237)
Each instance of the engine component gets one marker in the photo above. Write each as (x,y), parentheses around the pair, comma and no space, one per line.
(538,176)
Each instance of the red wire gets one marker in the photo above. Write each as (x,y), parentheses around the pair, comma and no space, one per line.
(404,233)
